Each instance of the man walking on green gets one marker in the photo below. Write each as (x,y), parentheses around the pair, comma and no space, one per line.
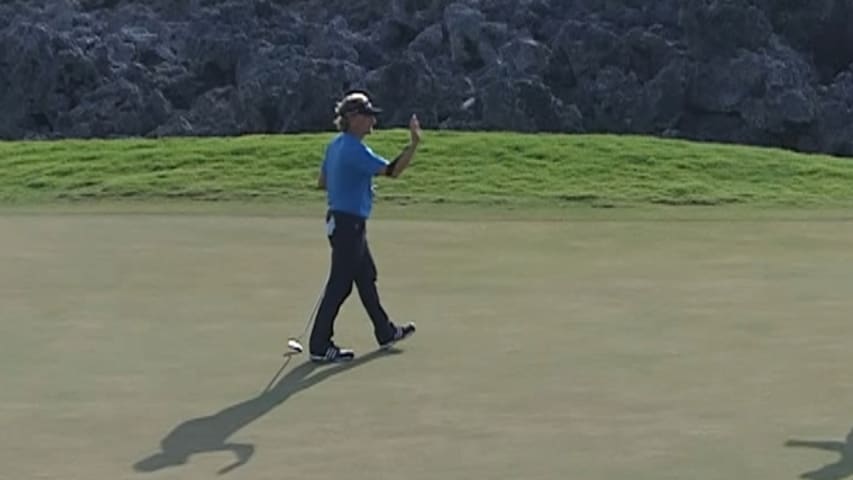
(347,175)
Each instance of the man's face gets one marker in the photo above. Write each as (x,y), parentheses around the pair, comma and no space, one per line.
(362,124)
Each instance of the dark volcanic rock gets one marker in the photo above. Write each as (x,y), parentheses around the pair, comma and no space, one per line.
(752,71)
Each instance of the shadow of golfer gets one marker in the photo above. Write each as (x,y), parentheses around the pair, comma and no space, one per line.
(210,433)
(841,469)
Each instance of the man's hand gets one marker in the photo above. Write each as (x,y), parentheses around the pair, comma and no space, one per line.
(395,168)
(415,129)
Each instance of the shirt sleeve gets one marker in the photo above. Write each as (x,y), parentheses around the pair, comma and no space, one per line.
(369,162)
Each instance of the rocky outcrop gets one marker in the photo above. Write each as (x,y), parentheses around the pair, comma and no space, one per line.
(751,71)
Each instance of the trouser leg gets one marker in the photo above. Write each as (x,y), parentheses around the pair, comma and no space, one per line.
(347,250)
(365,281)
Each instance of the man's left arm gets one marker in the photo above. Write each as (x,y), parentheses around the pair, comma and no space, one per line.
(401,162)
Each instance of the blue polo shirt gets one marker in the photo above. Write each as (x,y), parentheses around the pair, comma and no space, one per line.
(349,167)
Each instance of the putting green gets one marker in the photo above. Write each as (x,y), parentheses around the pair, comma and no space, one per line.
(595,348)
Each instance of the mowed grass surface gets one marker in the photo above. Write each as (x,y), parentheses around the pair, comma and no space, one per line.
(640,343)
(579,349)
(451,168)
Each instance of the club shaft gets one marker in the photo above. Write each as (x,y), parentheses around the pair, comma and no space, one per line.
(313,313)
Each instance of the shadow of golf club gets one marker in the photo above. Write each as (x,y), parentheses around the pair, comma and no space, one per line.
(210,433)
(839,470)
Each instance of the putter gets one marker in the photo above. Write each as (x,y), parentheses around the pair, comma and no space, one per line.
(295,343)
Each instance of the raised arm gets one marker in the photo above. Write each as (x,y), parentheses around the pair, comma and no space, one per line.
(402,161)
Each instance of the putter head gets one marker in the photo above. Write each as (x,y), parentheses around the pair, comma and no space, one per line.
(294,345)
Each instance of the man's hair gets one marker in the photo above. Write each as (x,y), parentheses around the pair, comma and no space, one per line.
(353,102)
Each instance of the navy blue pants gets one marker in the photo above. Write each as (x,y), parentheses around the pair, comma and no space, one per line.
(351,263)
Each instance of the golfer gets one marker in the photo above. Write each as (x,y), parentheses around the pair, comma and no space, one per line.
(347,174)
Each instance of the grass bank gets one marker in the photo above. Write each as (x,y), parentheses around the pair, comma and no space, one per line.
(451,168)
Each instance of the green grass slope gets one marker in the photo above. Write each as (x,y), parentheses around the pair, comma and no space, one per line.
(451,167)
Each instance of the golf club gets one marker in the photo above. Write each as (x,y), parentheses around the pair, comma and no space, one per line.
(295,343)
